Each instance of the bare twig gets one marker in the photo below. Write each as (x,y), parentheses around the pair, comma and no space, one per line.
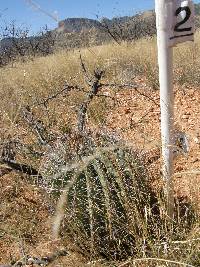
(133,124)
(67,88)
(95,85)
(92,93)
(26,169)
(2,11)
(186,241)
(107,29)
(121,86)
(36,125)
(85,72)
(108,96)
(135,87)
(36,261)
(147,96)
(8,151)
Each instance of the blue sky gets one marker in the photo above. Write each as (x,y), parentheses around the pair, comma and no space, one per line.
(24,13)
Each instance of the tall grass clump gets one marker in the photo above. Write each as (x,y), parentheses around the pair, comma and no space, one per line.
(187,63)
(42,76)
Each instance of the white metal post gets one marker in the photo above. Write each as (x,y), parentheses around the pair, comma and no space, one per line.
(165,61)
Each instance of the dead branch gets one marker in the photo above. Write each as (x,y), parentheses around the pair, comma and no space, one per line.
(121,86)
(129,29)
(8,151)
(54,256)
(23,168)
(37,126)
(67,88)
(4,170)
(37,261)
(135,87)
(113,35)
(108,96)
(88,79)
(134,124)
(95,86)
(8,156)
(147,96)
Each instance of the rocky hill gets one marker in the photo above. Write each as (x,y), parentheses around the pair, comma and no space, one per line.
(116,25)
(83,32)
(77,25)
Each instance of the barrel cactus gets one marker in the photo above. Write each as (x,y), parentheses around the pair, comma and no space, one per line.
(107,207)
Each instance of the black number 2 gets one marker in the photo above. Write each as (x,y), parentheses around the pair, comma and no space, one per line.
(187,16)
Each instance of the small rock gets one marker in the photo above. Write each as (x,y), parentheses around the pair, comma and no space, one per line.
(30,261)
(185,117)
(187,113)
(127,110)
(197,138)
(179,168)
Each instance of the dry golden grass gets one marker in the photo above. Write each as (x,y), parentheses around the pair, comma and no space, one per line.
(37,78)
(27,83)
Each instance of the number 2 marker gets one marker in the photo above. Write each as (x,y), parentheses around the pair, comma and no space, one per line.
(183,22)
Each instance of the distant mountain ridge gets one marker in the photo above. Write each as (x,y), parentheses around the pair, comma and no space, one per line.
(81,32)
(77,25)
(84,32)
(70,25)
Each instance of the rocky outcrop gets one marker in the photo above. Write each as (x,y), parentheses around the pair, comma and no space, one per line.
(77,25)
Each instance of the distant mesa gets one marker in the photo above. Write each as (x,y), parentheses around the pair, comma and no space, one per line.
(70,25)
